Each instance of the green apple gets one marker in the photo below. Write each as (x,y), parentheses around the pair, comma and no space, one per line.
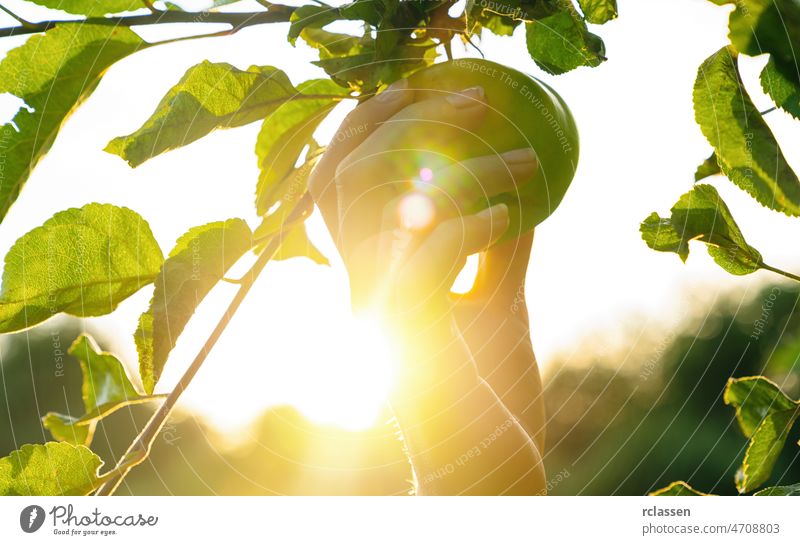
(523,112)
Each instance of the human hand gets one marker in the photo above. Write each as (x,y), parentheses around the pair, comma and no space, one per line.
(399,209)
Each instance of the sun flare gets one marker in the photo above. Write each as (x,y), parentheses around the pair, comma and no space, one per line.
(360,373)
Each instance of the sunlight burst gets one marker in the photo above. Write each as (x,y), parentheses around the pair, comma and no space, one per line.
(361,370)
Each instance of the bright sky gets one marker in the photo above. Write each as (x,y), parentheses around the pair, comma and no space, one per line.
(591,276)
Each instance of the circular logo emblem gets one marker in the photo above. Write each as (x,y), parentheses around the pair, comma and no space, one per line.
(31,518)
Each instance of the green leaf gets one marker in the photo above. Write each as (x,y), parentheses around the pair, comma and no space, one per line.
(305,17)
(294,244)
(106,388)
(365,63)
(105,382)
(369,11)
(709,167)
(283,136)
(82,261)
(51,469)
(332,44)
(561,42)
(599,12)
(790,490)
(53,73)
(755,398)
(210,96)
(64,427)
(766,415)
(701,214)
(766,26)
(361,72)
(297,244)
(68,428)
(771,26)
(286,194)
(199,260)
(92,8)
(678,488)
(661,235)
(745,146)
(503,16)
(783,86)
(764,449)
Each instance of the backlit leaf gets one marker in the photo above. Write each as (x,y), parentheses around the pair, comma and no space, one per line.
(92,8)
(51,469)
(754,398)
(661,235)
(766,26)
(200,258)
(369,11)
(64,427)
(746,149)
(363,72)
(783,86)
(106,388)
(790,490)
(82,261)
(315,17)
(297,244)
(294,244)
(678,488)
(283,136)
(766,415)
(53,73)
(210,96)
(599,12)
(356,62)
(310,17)
(561,42)
(707,168)
(701,214)
(764,449)
(503,16)
(334,44)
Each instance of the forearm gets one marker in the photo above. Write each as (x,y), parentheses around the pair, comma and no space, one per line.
(499,341)
(460,437)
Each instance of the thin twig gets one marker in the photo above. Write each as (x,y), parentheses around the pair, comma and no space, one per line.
(25,23)
(140,448)
(278,13)
(219,34)
(780,272)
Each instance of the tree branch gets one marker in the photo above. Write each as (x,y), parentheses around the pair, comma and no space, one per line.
(277,13)
(24,22)
(139,450)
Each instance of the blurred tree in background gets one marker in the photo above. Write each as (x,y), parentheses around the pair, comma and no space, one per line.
(616,426)
(632,428)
